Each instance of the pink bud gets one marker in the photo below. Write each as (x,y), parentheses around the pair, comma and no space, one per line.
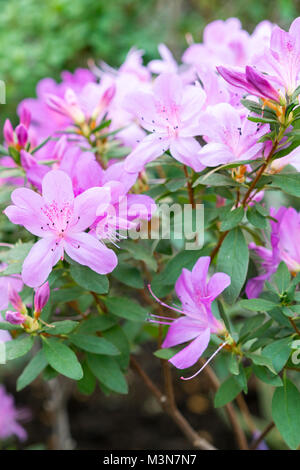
(27,160)
(8,132)
(41,297)
(15,318)
(22,135)
(15,299)
(25,117)
(60,148)
(108,95)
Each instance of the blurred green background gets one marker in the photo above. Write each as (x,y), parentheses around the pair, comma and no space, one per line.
(42,38)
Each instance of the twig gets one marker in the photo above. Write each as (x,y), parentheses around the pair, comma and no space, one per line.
(238,431)
(218,246)
(171,409)
(256,443)
(294,326)
(189,187)
(245,413)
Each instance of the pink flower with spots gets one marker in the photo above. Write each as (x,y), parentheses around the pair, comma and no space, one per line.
(60,219)
(170,115)
(229,137)
(197,322)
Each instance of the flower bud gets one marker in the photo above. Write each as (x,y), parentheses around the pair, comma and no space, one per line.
(16,300)
(8,132)
(15,318)
(41,297)
(22,135)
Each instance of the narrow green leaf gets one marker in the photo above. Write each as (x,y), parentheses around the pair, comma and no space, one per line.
(286,413)
(62,358)
(32,370)
(108,372)
(94,344)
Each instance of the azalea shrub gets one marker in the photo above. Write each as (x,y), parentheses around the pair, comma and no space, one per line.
(95,166)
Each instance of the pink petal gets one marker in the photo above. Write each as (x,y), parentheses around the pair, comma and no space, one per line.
(57,186)
(186,151)
(199,275)
(217,283)
(85,207)
(181,330)
(189,355)
(149,149)
(215,154)
(88,251)
(168,89)
(40,260)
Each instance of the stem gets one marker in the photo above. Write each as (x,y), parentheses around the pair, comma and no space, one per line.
(294,326)
(171,409)
(246,413)
(189,187)
(259,173)
(238,431)
(262,436)
(218,246)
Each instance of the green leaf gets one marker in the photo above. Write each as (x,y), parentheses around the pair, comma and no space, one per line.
(282,277)
(108,372)
(88,279)
(265,375)
(215,179)
(286,413)
(126,308)
(18,347)
(9,327)
(250,325)
(62,358)
(258,305)
(94,324)
(166,353)
(128,275)
(87,384)
(63,327)
(233,218)
(278,351)
(117,336)
(32,370)
(255,218)
(94,344)
(233,365)
(289,183)
(227,392)
(261,360)
(140,252)
(233,260)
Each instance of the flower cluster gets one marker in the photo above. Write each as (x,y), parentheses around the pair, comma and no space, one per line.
(89,161)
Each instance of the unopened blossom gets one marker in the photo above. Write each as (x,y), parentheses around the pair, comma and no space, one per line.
(196,294)
(252,81)
(41,297)
(15,318)
(60,220)
(10,417)
(169,113)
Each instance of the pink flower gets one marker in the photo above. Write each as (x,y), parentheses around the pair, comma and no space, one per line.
(170,115)
(9,417)
(282,58)
(230,138)
(60,220)
(198,322)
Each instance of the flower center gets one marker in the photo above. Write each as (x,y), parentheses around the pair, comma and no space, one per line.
(59,217)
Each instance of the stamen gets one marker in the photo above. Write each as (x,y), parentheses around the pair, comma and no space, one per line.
(206,363)
(162,303)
